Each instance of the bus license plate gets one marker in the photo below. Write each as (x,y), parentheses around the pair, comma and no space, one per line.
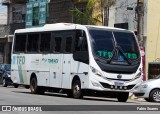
(118,83)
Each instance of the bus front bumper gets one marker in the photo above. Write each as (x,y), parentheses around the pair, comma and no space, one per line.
(110,86)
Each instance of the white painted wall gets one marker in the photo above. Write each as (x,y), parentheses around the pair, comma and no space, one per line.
(3,18)
(120,14)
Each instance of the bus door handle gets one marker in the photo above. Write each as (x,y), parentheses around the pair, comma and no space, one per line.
(63,73)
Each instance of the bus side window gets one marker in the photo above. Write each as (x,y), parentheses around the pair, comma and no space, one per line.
(32,44)
(20,43)
(68,47)
(58,42)
(45,42)
(81,48)
(84,45)
(81,44)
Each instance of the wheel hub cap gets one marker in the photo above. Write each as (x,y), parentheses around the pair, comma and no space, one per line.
(156,96)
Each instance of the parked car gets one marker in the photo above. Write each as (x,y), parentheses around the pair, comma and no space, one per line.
(149,90)
(5,75)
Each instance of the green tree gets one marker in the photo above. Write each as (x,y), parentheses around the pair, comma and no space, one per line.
(86,16)
(105,5)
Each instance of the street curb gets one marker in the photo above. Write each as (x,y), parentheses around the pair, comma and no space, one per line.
(133,97)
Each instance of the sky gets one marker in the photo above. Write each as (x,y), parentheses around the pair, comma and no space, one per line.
(3,9)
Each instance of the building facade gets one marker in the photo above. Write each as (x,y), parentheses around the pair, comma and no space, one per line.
(153,38)
(3,22)
(15,20)
(123,15)
(40,12)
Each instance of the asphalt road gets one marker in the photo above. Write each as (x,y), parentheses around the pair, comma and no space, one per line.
(22,96)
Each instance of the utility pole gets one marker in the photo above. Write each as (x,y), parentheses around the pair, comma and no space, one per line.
(140,14)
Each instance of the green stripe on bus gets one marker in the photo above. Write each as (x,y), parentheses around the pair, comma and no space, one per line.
(20,74)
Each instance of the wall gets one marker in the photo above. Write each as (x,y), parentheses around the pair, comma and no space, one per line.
(120,14)
(153,32)
(60,11)
(3,18)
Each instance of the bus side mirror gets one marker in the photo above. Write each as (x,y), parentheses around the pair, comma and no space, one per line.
(81,56)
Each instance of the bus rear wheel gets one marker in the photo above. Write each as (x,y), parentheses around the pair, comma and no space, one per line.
(122,96)
(15,85)
(77,91)
(35,89)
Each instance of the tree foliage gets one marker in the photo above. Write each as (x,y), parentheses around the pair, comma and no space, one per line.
(107,3)
(86,15)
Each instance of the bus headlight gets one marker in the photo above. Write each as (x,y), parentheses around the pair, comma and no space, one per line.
(96,84)
(137,76)
(95,71)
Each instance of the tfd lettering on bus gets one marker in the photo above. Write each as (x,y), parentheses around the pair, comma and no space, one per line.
(19,60)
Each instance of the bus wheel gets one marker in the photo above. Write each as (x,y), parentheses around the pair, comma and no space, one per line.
(4,84)
(15,85)
(36,89)
(26,86)
(70,94)
(77,91)
(122,96)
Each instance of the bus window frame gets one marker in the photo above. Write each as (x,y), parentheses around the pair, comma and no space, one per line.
(49,51)
(14,46)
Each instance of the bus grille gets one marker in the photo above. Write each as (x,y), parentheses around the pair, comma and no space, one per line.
(105,85)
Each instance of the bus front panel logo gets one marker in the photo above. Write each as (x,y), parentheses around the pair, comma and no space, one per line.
(119,76)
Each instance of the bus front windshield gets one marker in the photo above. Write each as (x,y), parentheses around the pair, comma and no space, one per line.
(114,45)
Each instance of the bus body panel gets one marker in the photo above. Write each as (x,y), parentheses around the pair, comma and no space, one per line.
(56,70)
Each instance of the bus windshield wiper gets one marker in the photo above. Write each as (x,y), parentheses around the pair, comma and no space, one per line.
(120,49)
(110,59)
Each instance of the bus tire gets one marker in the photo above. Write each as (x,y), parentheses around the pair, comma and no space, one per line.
(122,96)
(76,89)
(69,94)
(26,86)
(34,88)
(15,85)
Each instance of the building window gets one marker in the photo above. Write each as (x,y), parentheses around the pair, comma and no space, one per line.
(35,16)
(18,14)
(121,25)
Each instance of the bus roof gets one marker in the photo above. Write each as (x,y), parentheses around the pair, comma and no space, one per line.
(60,26)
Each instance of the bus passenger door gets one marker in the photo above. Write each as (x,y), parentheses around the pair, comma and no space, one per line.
(67,58)
(56,70)
(56,61)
